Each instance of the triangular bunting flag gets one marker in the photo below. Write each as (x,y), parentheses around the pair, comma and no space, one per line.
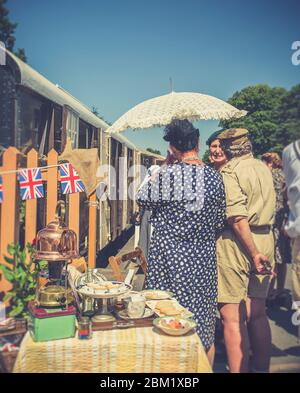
(31,184)
(69,179)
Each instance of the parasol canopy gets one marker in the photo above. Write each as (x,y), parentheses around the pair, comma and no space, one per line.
(159,111)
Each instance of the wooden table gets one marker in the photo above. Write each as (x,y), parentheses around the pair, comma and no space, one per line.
(132,350)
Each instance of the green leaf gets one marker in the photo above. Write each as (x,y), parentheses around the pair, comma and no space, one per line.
(43,265)
(30,297)
(16,310)
(7,296)
(9,260)
(8,273)
(30,278)
(11,249)
(23,257)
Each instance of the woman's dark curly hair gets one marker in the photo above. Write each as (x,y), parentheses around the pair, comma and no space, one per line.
(182,135)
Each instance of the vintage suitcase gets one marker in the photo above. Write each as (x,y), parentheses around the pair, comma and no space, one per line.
(47,324)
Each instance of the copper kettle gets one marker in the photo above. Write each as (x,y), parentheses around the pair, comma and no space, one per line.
(56,242)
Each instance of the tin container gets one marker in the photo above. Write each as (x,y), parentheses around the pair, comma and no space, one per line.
(51,324)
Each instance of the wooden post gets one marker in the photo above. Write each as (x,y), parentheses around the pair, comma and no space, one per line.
(9,228)
(74,213)
(52,177)
(92,231)
(31,204)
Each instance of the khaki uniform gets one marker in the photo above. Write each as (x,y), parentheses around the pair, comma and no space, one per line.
(249,193)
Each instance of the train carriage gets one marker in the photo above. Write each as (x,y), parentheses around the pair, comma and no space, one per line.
(35,113)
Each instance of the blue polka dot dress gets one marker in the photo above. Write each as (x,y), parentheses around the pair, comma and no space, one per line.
(188,209)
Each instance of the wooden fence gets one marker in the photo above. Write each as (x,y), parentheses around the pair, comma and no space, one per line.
(10,207)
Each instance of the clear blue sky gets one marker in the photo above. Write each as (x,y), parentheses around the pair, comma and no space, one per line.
(115,54)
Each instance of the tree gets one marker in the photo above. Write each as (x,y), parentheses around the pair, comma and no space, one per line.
(154,151)
(95,111)
(288,116)
(7,31)
(264,119)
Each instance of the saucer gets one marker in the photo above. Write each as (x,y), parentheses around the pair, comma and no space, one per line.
(148,313)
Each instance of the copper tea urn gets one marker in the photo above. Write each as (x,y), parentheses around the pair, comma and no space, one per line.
(56,242)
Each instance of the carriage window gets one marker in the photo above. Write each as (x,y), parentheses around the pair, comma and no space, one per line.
(7,88)
(32,118)
(57,128)
(72,127)
(88,136)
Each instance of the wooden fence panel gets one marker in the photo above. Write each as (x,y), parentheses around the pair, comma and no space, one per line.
(9,212)
(9,227)
(74,213)
(52,178)
(31,204)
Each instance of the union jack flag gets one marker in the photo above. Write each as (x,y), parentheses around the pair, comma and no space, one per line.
(69,179)
(31,184)
(1,190)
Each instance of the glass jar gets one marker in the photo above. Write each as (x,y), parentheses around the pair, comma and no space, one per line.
(84,328)
(89,275)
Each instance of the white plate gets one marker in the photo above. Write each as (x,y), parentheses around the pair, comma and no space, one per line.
(157,294)
(148,313)
(184,313)
(105,293)
(188,325)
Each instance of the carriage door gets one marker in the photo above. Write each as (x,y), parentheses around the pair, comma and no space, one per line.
(116,204)
(129,179)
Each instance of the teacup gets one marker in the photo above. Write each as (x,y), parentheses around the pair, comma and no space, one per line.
(135,306)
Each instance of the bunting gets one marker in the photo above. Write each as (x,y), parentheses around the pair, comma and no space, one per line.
(31,184)
(69,179)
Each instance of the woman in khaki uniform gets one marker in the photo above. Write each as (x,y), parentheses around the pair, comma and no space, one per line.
(245,253)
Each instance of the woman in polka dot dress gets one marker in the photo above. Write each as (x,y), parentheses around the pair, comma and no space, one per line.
(187,200)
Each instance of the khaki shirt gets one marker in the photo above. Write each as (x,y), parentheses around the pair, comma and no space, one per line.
(249,190)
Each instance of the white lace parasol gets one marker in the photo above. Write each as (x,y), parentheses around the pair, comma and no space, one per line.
(160,111)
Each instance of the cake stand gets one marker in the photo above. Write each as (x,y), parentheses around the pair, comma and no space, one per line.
(102,296)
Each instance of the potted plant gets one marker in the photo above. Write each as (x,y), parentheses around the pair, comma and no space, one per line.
(23,274)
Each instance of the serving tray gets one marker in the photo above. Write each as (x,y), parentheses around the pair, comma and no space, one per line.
(123,324)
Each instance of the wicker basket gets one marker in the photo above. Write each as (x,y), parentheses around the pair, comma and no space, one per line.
(7,361)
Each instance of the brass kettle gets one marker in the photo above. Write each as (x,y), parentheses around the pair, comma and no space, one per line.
(54,296)
(56,242)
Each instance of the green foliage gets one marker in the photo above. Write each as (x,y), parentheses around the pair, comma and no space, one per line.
(7,28)
(23,275)
(20,53)
(95,111)
(273,118)
(154,151)
(7,31)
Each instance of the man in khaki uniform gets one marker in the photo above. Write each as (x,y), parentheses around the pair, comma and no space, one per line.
(245,253)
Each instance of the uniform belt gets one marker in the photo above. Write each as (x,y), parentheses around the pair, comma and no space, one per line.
(255,228)
(265,228)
